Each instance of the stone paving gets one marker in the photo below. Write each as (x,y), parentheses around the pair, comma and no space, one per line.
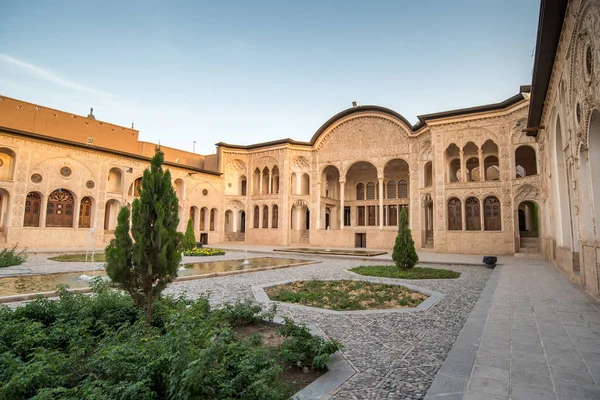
(532,334)
(538,339)
(396,355)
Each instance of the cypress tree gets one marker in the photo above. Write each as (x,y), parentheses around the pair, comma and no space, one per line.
(144,267)
(404,253)
(189,240)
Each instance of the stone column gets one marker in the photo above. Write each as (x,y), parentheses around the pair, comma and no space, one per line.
(76,208)
(481,165)
(463,167)
(319,206)
(482,215)
(260,183)
(380,203)
(342,194)
(234,222)
(463,214)
(270,183)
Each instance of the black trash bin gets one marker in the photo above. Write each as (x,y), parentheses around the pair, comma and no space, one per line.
(490,261)
(199,245)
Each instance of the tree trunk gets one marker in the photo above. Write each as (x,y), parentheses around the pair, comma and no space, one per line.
(148,311)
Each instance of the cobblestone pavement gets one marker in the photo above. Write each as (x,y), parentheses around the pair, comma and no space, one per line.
(396,354)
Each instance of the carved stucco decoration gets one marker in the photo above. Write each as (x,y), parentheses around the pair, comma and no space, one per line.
(476,135)
(526,192)
(301,164)
(235,205)
(364,137)
(267,161)
(236,166)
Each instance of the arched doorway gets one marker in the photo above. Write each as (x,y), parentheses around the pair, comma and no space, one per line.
(528,225)
(110,214)
(33,205)
(427,238)
(59,212)
(243,221)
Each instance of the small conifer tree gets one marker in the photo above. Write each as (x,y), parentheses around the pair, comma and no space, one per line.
(404,253)
(144,266)
(189,240)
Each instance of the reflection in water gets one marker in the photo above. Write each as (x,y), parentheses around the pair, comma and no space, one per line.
(236,265)
(25,284)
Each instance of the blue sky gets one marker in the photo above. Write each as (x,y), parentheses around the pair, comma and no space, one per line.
(245,72)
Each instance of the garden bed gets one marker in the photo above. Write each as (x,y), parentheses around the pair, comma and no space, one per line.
(292,375)
(204,252)
(391,271)
(79,257)
(345,295)
(98,346)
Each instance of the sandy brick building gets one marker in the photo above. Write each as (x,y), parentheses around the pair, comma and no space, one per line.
(487,179)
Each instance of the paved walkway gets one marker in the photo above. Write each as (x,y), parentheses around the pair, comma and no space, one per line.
(532,335)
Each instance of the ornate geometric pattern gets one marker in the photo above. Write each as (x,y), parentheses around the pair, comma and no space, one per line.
(36,178)
(66,171)
(90,184)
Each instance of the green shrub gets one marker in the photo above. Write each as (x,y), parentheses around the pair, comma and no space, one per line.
(84,347)
(189,239)
(10,257)
(303,349)
(404,253)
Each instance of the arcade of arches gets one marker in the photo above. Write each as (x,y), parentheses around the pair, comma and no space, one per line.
(471,180)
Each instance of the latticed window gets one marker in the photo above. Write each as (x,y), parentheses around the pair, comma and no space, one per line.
(275,218)
(492,214)
(33,204)
(370,191)
(391,190)
(392,214)
(520,171)
(454,215)
(473,214)
(256,217)
(402,189)
(265,217)
(202,219)
(213,217)
(59,212)
(371,216)
(85,212)
(360,191)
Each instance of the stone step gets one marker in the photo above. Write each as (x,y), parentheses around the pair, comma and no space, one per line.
(528,249)
(529,255)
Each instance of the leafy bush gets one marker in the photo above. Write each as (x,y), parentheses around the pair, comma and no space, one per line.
(304,349)
(404,253)
(189,239)
(97,346)
(204,251)
(10,257)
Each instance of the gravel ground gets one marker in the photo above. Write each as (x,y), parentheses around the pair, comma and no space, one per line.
(396,354)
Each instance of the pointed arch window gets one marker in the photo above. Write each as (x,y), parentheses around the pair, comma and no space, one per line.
(256,217)
(402,189)
(85,212)
(391,190)
(59,212)
(492,214)
(33,204)
(473,214)
(265,218)
(275,218)
(360,191)
(370,191)
(454,215)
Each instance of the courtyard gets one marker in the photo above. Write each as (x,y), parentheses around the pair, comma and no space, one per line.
(510,332)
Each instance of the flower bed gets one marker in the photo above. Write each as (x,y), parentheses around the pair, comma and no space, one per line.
(204,251)
(345,295)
